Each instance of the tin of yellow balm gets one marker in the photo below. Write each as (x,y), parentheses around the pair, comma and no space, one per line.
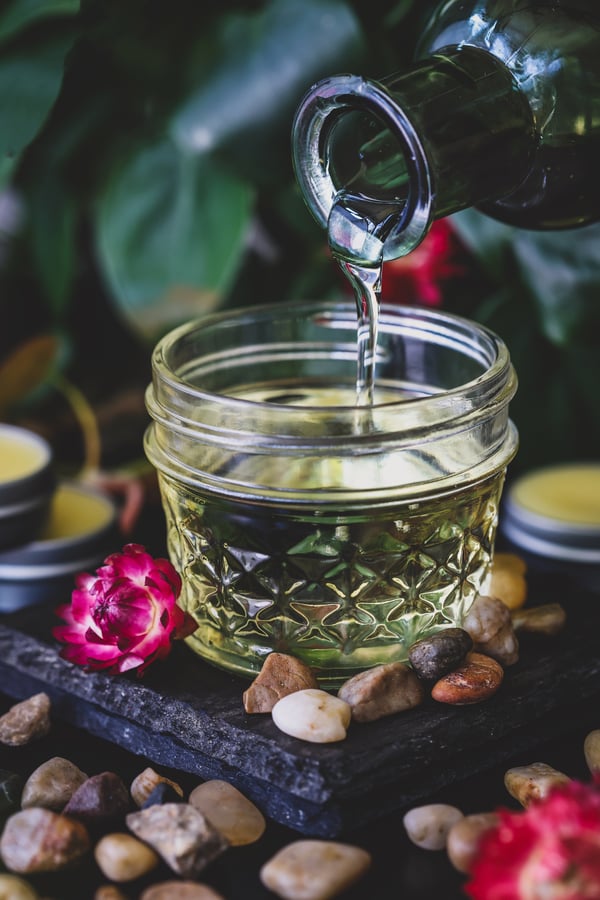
(553,514)
(81,531)
(26,484)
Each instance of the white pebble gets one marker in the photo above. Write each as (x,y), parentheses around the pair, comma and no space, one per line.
(313,715)
(428,826)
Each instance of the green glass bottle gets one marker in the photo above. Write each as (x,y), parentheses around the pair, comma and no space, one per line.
(501,111)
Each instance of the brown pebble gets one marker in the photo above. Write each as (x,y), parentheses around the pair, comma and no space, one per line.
(52,784)
(463,839)
(109,892)
(122,857)
(548,619)
(440,653)
(591,751)
(39,840)
(100,801)
(533,782)
(26,721)
(231,813)
(382,691)
(490,625)
(314,869)
(476,680)
(180,890)
(14,888)
(180,834)
(144,783)
(280,675)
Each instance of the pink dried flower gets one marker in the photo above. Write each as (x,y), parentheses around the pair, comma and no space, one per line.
(550,851)
(126,615)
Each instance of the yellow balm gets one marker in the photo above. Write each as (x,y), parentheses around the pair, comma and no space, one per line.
(21,453)
(75,511)
(568,493)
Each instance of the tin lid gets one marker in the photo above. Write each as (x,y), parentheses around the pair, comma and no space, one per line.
(555,512)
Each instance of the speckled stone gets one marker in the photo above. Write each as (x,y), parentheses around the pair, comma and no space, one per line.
(26,721)
(100,802)
(382,691)
(531,783)
(146,782)
(477,679)
(281,674)
(180,834)
(435,656)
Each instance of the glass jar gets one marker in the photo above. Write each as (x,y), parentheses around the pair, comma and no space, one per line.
(305,524)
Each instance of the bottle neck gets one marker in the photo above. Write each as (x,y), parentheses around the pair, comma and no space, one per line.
(378,162)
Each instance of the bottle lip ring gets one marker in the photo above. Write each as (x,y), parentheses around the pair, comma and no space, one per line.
(327,100)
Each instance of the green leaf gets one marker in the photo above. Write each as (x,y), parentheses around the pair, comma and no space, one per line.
(19,14)
(170,235)
(264,62)
(52,213)
(30,81)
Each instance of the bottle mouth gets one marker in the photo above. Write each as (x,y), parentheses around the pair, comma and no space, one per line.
(356,150)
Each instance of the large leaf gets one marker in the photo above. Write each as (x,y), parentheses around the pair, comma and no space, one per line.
(19,14)
(265,61)
(26,369)
(52,215)
(30,80)
(170,235)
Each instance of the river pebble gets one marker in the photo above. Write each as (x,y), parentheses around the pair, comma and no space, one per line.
(533,782)
(462,843)
(39,840)
(507,580)
(490,626)
(180,834)
(52,784)
(428,826)
(109,892)
(435,656)
(591,751)
(477,679)
(180,890)
(100,802)
(314,869)
(14,888)
(547,620)
(313,715)
(281,674)
(382,691)
(229,811)
(122,857)
(26,721)
(144,783)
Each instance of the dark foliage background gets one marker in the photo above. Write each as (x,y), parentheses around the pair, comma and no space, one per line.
(145,178)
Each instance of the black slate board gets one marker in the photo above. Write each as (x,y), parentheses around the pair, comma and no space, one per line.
(189,716)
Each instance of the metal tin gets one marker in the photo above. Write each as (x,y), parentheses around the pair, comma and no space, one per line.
(26,484)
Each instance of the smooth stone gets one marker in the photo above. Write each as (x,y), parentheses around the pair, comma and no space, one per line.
(507,580)
(477,679)
(533,782)
(313,715)
(229,811)
(100,801)
(438,654)
(281,674)
(180,834)
(382,691)
(591,751)
(180,890)
(490,626)
(39,840)
(14,888)
(144,783)
(109,892)
(52,784)
(11,785)
(547,620)
(26,721)
(314,870)
(122,857)
(428,826)
(462,843)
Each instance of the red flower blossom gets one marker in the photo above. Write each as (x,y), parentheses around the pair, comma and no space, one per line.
(126,615)
(418,277)
(550,851)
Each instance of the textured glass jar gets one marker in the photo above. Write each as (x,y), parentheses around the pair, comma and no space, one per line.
(305,524)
